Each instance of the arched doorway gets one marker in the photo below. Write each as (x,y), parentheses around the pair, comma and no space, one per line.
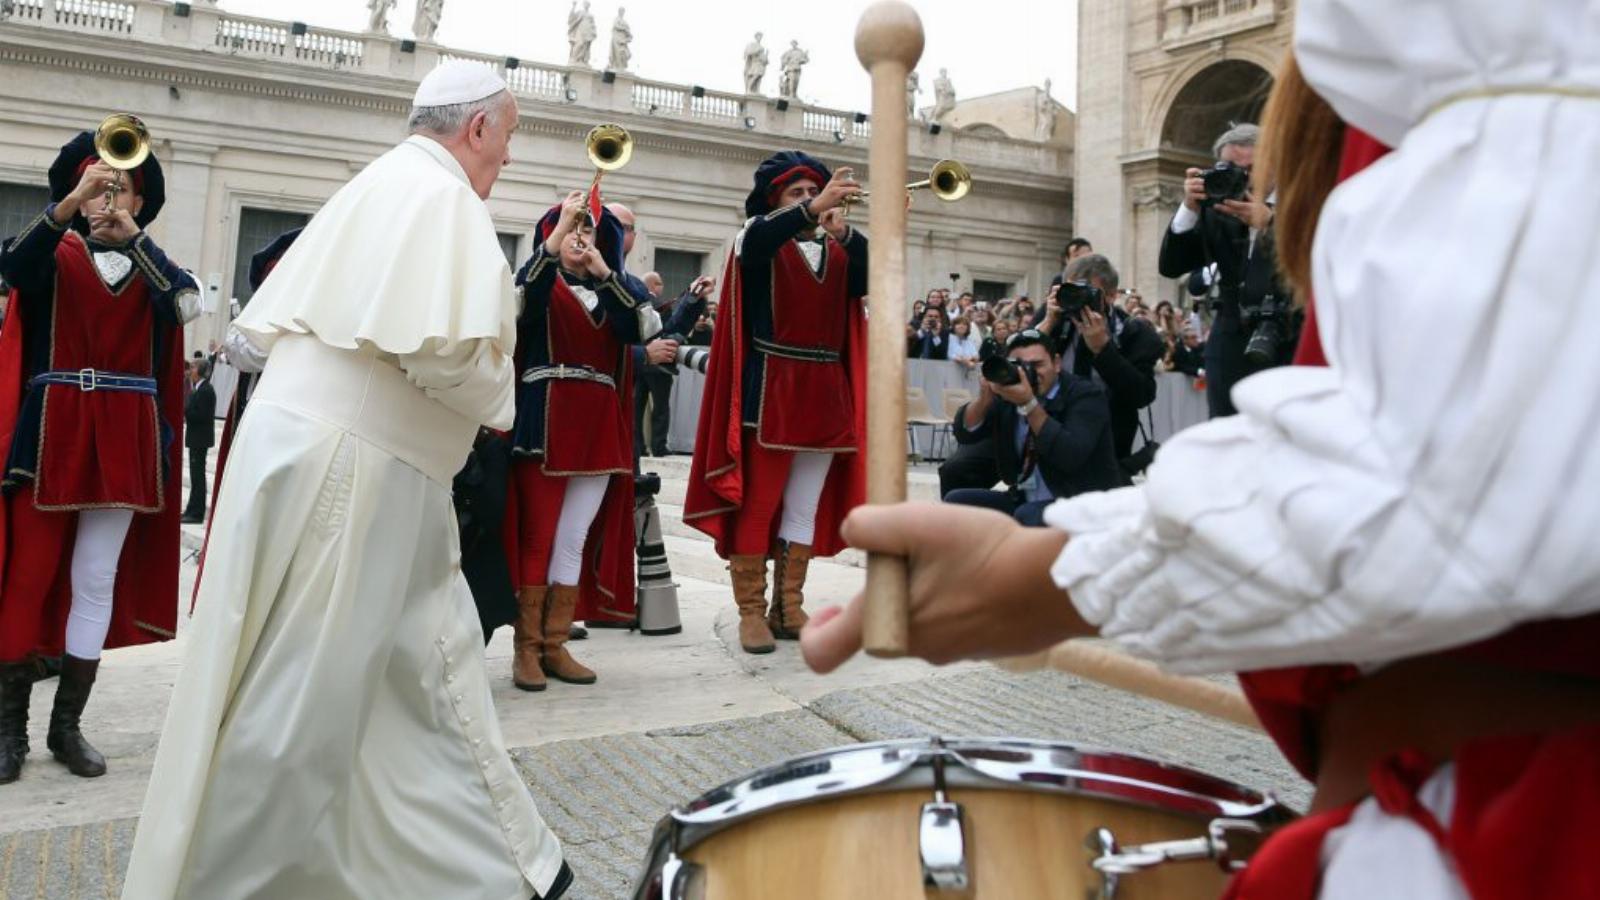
(1214,100)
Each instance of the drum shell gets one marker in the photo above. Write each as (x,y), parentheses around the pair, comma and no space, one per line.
(1020,844)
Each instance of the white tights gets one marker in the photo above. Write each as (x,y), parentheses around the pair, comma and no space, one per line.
(579,505)
(801,494)
(101,533)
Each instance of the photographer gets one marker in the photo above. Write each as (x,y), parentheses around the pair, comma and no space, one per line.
(930,341)
(1104,344)
(1222,224)
(655,369)
(1051,431)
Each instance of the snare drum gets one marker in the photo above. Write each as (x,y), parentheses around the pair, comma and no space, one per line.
(987,819)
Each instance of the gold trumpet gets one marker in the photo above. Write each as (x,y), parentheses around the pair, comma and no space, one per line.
(609,146)
(123,143)
(949,180)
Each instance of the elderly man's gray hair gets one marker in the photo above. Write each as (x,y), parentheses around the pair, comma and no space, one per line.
(1093,267)
(1244,135)
(447,121)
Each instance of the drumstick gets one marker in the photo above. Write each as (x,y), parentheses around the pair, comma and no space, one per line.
(1118,670)
(888,43)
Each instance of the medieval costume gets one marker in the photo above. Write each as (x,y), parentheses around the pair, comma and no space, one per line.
(778,457)
(1396,550)
(331,734)
(91,419)
(570,515)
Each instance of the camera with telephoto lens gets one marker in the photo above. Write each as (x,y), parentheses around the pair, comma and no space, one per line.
(1225,181)
(997,368)
(690,357)
(1268,322)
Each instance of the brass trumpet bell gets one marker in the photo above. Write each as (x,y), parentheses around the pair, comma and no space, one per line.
(609,147)
(122,142)
(949,180)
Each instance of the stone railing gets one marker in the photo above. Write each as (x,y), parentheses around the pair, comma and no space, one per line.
(1191,21)
(604,96)
(276,40)
(110,16)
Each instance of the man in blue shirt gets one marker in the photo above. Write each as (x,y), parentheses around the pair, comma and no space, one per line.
(1053,433)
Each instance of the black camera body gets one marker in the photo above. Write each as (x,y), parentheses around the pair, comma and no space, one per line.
(999,369)
(1225,181)
(1075,296)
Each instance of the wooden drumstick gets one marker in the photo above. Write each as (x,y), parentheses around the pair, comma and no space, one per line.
(888,43)
(1136,676)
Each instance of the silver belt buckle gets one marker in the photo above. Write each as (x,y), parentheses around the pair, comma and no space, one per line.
(88,380)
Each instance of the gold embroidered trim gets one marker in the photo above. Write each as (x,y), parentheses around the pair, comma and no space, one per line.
(140,255)
(154,629)
(1492,92)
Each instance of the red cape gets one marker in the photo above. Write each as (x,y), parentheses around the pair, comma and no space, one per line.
(145,604)
(716,477)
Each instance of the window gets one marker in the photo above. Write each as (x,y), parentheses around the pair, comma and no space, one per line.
(508,246)
(257,229)
(992,291)
(678,269)
(19,205)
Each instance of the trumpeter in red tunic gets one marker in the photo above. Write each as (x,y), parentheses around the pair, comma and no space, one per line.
(778,458)
(569,527)
(91,419)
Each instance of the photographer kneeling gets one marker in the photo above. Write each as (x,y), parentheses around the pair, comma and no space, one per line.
(1052,430)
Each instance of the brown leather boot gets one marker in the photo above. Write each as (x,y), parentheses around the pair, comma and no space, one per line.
(16,687)
(785,617)
(558,663)
(528,637)
(750,593)
(65,741)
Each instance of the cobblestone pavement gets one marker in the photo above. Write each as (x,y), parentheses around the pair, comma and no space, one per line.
(603,795)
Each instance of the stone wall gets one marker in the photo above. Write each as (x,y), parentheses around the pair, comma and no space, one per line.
(1152,75)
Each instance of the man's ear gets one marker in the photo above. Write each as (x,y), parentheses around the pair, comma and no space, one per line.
(138,205)
(477,128)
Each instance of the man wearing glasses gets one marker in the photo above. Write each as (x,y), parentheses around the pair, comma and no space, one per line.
(1051,429)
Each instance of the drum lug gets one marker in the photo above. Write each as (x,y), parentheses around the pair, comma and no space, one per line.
(681,879)
(943,844)
(1228,842)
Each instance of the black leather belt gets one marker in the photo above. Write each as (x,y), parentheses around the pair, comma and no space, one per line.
(90,380)
(789,351)
(567,373)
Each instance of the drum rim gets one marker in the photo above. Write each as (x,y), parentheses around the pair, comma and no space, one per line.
(1128,778)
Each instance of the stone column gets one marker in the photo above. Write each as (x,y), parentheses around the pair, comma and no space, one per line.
(183,222)
(1154,203)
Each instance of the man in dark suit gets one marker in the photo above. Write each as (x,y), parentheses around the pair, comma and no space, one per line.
(199,414)
(1189,356)
(1107,346)
(1051,433)
(1229,244)
(931,340)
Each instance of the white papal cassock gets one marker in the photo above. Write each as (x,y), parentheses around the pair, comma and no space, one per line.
(331,734)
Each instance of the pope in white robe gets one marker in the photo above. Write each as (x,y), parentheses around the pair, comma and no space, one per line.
(331,734)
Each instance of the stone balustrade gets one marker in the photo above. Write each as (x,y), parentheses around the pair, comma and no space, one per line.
(1191,21)
(194,26)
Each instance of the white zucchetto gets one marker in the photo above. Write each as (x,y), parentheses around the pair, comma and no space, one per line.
(458,81)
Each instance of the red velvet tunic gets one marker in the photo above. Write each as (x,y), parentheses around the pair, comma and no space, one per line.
(98,449)
(811,311)
(587,431)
